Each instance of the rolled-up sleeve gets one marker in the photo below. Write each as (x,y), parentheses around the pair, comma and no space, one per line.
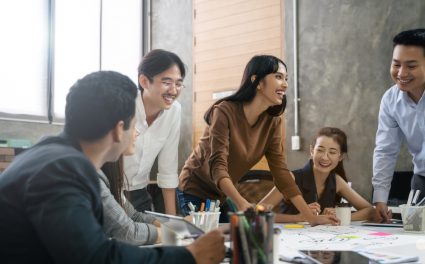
(167,176)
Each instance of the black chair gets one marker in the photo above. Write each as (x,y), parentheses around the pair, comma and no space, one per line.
(255,184)
(400,188)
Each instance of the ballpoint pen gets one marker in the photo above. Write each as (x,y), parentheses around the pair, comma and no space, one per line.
(409,199)
(415,197)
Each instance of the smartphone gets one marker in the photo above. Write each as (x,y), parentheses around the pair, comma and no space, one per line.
(336,257)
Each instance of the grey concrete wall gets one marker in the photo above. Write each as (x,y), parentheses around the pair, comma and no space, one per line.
(27,130)
(172,30)
(344,55)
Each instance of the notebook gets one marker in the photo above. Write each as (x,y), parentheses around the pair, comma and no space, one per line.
(392,223)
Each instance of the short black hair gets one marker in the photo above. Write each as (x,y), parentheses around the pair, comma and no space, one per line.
(157,61)
(412,37)
(97,102)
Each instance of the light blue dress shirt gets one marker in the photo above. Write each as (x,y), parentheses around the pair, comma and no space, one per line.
(400,119)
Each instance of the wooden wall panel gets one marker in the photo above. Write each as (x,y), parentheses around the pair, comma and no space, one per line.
(226,34)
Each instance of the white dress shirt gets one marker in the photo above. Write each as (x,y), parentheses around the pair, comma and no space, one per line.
(160,139)
(400,119)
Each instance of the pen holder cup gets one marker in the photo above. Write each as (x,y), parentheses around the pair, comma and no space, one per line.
(252,237)
(413,218)
(206,221)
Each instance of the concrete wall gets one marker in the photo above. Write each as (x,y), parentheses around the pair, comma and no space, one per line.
(172,30)
(27,130)
(345,50)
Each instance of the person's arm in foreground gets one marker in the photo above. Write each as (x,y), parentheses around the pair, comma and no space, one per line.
(64,219)
(208,248)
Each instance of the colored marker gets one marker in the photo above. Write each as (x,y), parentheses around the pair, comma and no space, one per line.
(293,226)
(191,206)
(409,199)
(217,205)
(212,206)
(260,208)
(415,198)
(421,202)
(207,205)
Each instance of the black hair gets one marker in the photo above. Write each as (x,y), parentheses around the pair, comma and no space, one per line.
(341,138)
(114,171)
(157,61)
(97,102)
(260,66)
(413,37)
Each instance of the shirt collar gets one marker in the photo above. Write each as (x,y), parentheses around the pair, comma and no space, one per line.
(140,108)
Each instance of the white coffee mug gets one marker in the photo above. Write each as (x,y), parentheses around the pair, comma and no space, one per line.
(344,215)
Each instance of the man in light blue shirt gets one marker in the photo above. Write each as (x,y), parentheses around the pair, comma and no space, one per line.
(401,118)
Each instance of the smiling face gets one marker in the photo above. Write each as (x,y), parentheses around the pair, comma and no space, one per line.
(326,154)
(164,89)
(408,70)
(273,87)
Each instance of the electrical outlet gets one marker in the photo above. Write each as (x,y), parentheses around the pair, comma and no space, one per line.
(295,143)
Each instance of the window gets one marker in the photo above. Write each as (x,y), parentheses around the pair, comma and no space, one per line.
(87,36)
(23,53)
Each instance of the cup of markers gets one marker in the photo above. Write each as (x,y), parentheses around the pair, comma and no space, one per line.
(208,215)
(413,213)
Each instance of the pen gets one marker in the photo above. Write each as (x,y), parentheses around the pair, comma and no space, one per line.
(191,207)
(217,205)
(207,205)
(212,206)
(415,197)
(421,202)
(409,199)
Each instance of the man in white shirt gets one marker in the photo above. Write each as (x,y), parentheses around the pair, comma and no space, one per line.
(401,118)
(158,117)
